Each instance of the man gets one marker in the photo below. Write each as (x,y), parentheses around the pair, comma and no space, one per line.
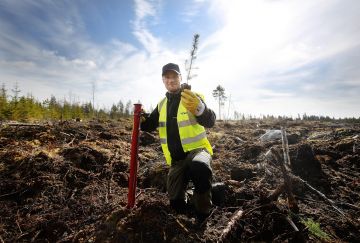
(181,117)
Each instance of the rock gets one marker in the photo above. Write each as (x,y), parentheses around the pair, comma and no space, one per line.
(270,135)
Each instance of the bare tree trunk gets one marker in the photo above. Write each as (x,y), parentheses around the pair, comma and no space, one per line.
(93,99)
(219,107)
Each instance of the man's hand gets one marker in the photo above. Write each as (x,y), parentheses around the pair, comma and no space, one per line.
(184,86)
(143,115)
(192,103)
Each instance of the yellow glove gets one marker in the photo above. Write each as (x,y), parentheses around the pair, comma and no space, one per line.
(192,103)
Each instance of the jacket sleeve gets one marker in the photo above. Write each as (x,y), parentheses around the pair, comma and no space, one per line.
(207,118)
(151,122)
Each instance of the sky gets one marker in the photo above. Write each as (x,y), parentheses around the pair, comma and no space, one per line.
(277,57)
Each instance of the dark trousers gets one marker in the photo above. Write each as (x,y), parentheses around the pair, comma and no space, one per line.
(197,168)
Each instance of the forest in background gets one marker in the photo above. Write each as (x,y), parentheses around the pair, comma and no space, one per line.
(27,108)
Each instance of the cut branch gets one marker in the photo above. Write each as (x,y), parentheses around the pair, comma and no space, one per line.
(285,146)
(293,225)
(23,124)
(287,182)
(231,225)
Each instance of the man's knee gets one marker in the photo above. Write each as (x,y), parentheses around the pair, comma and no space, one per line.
(201,175)
(202,156)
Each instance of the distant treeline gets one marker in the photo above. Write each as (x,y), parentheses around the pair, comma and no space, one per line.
(27,108)
(303,117)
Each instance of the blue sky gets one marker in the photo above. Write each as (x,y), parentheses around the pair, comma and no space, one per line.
(272,56)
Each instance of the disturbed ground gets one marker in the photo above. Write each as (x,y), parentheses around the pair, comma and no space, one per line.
(67,182)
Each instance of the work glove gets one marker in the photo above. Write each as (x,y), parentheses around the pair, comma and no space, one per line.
(192,102)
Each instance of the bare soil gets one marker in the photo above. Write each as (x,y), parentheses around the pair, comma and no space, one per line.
(67,182)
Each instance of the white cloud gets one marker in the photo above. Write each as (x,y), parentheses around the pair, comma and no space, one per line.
(192,10)
(277,57)
(120,70)
(266,46)
(144,11)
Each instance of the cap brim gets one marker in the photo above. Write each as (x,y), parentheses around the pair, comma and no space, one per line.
(171,70)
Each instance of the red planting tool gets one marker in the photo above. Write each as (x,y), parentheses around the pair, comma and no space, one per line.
(134,156)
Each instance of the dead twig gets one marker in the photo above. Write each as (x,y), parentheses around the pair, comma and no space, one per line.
(285,146)
(178,222)
(22,235)
(182,226)
(231,225)
(293,225)
(23,124)
(331,202)
(66,134)
(36,235)
(349,205)
(75,238)
(141,192)
(17,223)
(71,142)
(287,182)
(10,194)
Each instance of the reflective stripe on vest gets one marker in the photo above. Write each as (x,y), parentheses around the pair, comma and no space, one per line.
(192,134)
(193,139)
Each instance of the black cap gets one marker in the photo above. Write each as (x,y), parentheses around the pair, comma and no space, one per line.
(171,66)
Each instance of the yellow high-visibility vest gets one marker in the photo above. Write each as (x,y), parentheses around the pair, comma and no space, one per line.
(192,134)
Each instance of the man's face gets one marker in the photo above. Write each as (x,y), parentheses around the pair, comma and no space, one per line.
(172,81)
